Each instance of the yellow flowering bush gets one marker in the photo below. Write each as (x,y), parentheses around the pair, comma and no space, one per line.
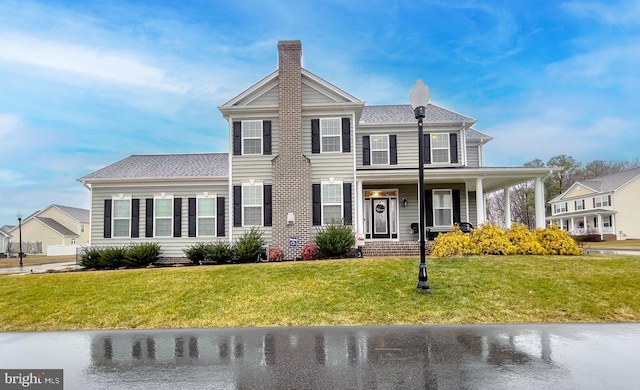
(489,239)
(454,243)
(524,240)
(556,241)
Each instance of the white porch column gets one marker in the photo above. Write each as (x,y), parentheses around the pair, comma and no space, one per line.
(573,225)
(480,207)
(586,226)
(539,201)
(600,227)
(359,209)
(506,200)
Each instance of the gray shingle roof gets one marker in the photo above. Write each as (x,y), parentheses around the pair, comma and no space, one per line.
(476,135)
(405,114)
(81,215)
(214,165)
(55,225)
(611,182)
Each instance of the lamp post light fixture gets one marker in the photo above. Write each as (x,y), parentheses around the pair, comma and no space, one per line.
(20,233)
(419,99)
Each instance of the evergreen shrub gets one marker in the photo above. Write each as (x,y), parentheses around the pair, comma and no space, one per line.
(335,239)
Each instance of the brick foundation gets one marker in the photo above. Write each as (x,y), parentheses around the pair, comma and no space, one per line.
(393,248)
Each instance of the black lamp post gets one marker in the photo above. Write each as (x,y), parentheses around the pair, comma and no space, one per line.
(20,233)
(419,98)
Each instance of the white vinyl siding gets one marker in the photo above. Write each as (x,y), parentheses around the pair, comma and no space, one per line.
(206,211)
(121,217)
(163,217)
(442,208)
(251,137)
(252,205)
(330,135)
(331,202)
(379,150)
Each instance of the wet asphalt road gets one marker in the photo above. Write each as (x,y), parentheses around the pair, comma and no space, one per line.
(574,356)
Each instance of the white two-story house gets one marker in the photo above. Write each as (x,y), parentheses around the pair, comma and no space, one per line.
(607,206)
(304,153)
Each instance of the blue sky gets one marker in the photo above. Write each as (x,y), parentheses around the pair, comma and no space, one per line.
(84,84)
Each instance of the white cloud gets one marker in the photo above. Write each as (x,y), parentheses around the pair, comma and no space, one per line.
(9,123)
(102,64)
(620,13)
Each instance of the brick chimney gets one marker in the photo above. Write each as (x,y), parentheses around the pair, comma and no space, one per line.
(291,181)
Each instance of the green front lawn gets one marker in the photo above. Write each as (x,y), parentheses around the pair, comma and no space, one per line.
(511,289)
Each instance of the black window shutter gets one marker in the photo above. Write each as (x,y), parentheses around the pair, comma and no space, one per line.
(583,204)
(426,147)
(220,212)
(455,199)
(315,135)
(595,221)
(107,218)
(428,197)
(366,150)
(192,217)
(135,218)
(594,202)
(347,203)
(267,204)
(609,199)
(566,206)
(317,206)
(575,204)
(177,217)
(346,135)
(237,206)
(237,138)
(453,147)
(266,137)
(393,150)
(148,231)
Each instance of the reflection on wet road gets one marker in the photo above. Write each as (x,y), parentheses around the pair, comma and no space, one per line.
(409,357)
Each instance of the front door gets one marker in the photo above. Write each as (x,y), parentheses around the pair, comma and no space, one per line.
(380,213)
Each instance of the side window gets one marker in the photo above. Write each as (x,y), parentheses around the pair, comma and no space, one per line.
(330,135)
(163,216)
(206,222)
(121,217)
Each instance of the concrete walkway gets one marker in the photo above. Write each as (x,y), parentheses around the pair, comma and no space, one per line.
(527,356)
(38,269)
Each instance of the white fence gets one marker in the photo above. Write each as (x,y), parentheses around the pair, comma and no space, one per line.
(61,250)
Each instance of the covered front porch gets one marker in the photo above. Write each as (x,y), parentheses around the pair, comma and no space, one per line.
(601,222)
(387,202)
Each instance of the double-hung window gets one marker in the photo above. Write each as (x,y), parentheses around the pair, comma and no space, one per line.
(601,201)
(560,208)
(330,135)
(163,217)
(331,202)
(251,137)
(379,150)
(579,205)
(206,210)
(252,204)
(440,148)
(442,208)
(121,217)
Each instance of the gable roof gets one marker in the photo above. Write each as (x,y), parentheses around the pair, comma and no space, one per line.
(404,114)
(55,225)
(604,184)
(164,166)
(80,215)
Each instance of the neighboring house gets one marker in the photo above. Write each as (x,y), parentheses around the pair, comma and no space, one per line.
(606,205)
(303,153)
(55,225)
(5,239)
